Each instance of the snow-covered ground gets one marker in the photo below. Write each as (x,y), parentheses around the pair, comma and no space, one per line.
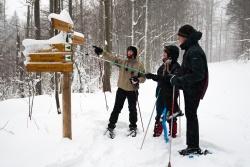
(224,129)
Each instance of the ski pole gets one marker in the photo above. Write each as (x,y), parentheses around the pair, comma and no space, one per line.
(140,114)
(121,65)
(179,117)
(172,120)
(150,120)
(107,107)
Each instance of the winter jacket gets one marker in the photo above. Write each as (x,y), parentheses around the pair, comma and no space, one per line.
(193,76)
(166,88)
(127,71)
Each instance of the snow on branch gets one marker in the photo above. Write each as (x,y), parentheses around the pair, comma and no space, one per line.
(138,18)
(244,40)
(137,43)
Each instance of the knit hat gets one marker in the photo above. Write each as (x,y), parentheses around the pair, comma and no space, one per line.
(133,49)
(172,51)
(186,31)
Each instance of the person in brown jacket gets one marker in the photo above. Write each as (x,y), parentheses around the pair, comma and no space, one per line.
(131,73)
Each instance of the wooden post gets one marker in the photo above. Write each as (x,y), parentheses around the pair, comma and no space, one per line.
(58,58)
(66,95)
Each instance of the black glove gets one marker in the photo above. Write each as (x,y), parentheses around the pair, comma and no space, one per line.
(152,76)
(134,81)
(98,50)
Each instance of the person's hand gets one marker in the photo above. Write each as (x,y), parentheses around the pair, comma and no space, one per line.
(168,61)
(134,80)
(152,76)
(98,50)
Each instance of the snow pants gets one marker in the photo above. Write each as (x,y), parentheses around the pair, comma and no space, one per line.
(191,106)
(165,100)
(120,98)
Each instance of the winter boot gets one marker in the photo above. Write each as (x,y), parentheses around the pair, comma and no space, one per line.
(174,129)
(157,129)
(132,132)
(110,133)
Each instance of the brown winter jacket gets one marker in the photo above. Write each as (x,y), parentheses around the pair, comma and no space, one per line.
(127,69)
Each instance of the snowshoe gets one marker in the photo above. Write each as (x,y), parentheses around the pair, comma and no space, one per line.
(132,132)
(175,115)
(110,133)
(191,151)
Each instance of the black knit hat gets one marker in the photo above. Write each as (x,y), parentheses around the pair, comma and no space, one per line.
(172,51)
(186,30)
(133,49)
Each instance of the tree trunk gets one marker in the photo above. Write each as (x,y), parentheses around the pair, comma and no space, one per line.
(37,37)
(108,44)
(220,48)
(207,32)
(4,14)
(146,50)
(81,15)
(61,8)
(56,10)
(27,32)
(70,8)
(132,24)
(100,35)
(211,31)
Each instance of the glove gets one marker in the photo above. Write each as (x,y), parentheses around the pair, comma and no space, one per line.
(134,81)
(152,76)
(98,50)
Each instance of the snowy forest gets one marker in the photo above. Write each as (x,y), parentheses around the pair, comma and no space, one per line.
(59,107)
(115,25)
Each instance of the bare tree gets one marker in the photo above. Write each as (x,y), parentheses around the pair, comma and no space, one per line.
(146,48)
(37,36)
(108,44)
(70,8)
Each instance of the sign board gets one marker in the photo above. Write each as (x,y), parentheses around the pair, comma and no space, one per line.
(77,40)
(49,67)
(61,47)
(61,25)
(50,57)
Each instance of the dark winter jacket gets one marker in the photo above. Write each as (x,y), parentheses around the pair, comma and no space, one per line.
(193,76)
(166,88)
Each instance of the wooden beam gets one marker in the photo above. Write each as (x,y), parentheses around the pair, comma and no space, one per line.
(77,40)
(49,67)
(50,57)
(66,95)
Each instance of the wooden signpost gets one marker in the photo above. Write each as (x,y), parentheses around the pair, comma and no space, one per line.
(50,57)
(61,25)
(61,47)
(58,59)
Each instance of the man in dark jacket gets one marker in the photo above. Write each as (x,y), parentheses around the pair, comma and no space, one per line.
(164,91)
(193,80)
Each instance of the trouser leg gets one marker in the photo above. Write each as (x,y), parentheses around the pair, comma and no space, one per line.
(192,135)
(132,101)
(119,102)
